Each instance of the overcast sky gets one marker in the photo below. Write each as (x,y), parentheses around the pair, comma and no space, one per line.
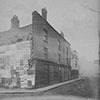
(79,24)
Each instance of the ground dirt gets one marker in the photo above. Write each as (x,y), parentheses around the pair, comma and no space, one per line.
(84,89)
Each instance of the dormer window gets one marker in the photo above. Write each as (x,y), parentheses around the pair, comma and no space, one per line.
(67,51)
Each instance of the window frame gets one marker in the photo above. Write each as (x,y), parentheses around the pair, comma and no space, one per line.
(45,50)
(45,35)
(59,45)
(59,57)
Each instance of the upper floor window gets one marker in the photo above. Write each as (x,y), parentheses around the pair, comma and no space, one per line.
(67,51)
(59,45)
(46,67)
(75,63)
(63,50)
(59,57)
(45,52)
(45,35)
(67,60)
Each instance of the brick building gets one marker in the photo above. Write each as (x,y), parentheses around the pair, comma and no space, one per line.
(49,53)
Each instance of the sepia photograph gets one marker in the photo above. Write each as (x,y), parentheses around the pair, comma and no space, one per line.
(49,50)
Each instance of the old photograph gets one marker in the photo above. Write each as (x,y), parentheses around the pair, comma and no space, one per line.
(49,49)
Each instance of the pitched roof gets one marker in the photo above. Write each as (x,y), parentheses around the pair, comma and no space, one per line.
(7,37)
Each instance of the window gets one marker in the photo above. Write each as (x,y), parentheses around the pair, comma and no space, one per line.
(75,63)
(59,45)
(45,35)
(59,68)
(67,60)
(63,50)
(46,67)
(45,53)
(67,57)
(19,40)
(30,72)
(29,83)
(59,57)
(67,51)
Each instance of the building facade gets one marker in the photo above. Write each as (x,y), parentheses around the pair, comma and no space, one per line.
(74,64)
(48,54)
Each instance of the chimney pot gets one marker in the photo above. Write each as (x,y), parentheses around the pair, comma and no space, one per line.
(15,22)
(62,34)
(44,13)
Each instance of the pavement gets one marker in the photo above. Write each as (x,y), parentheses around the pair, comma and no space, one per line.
(49,98)
(35,94)
(44,89)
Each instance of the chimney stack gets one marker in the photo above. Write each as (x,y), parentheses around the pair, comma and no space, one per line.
(44,13)
(15,22)
(62,34)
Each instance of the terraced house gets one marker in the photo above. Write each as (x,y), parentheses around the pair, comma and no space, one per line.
(35,55)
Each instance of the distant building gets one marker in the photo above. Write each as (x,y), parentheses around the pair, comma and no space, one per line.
(43,56)
(74,64)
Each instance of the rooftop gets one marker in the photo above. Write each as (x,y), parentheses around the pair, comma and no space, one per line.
(8,32)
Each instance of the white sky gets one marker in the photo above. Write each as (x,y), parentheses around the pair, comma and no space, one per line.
(79,24)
